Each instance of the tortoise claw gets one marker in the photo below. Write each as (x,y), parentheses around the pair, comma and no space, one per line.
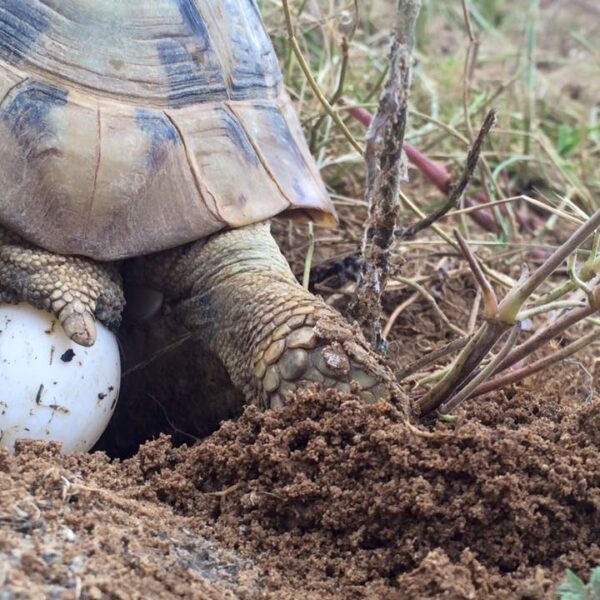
(78,323)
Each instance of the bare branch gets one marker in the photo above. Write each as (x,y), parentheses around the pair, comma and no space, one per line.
(458,190)
(386,169)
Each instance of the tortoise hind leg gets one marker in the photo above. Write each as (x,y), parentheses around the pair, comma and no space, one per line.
(76,290)
(237,292)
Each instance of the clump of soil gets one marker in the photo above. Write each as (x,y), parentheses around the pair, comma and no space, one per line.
(330,494)
(325,497)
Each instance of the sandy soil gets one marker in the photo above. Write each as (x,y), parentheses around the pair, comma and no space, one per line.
(323,498)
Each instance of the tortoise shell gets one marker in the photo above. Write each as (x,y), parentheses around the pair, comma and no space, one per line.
(131,126)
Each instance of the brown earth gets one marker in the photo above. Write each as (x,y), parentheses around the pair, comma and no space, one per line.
(323,498)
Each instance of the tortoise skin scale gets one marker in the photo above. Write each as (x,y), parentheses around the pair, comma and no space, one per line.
(131,127)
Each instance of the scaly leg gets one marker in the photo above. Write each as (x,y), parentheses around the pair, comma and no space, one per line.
(76,290)
(236,292)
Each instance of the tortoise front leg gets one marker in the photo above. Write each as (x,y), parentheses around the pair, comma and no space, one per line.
(238,294)
(76,290)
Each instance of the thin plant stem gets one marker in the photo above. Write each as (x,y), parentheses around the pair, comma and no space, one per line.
(486,372)
(312,82)
(528,313)
(469,66)
(511,304)
(397,312)
(543,363)
(431,357)
(309,256)
(490,300)
(458,190)
(500,278)
(432,302)
(546,334)
(472,322)
(472,353)
(337,94)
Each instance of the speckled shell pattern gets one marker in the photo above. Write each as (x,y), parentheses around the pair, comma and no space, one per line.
(131,126)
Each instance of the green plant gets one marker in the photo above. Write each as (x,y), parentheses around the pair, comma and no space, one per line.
(574,588)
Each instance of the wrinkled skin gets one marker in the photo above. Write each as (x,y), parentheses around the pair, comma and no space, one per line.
(233,291)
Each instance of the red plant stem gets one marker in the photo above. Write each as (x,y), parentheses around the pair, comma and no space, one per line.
(436,173)
(519,374)
(544,335)
(432,170)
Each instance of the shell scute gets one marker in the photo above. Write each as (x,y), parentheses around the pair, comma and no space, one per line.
(21,24)
(190,61)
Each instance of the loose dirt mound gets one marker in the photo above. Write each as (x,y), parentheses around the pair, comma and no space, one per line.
(333,495)
(326,498)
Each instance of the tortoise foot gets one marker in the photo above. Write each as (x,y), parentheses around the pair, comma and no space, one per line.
(238,296)
(75,290)
(312,343)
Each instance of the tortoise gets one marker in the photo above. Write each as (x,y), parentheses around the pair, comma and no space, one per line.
(152,141)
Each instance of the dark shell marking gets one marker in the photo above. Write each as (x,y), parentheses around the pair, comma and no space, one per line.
(21,24)
(191,64)
(162,135)
(25,110)
(169,53)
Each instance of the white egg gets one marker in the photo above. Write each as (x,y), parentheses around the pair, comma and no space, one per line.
(50,387)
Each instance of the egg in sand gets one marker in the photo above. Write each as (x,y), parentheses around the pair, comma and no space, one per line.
(50,387)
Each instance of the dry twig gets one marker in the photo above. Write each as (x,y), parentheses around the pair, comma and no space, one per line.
(459,189)
(386,169)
